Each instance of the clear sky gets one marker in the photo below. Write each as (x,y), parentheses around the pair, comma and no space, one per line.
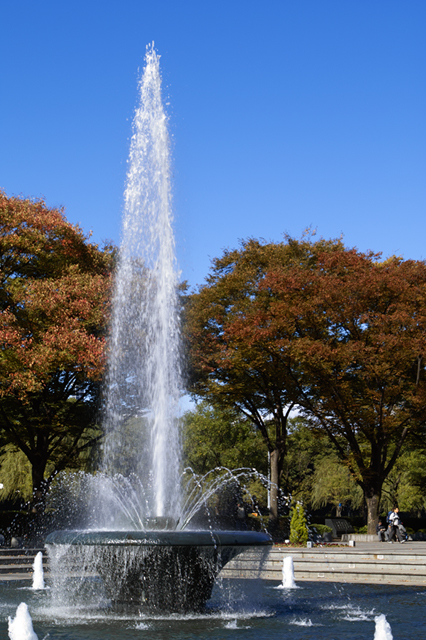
(283,115)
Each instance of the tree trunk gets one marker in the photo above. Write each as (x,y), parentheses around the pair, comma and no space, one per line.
(39,485)
(372,500)
(275,479)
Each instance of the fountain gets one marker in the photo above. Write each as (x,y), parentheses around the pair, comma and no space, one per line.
(138,540)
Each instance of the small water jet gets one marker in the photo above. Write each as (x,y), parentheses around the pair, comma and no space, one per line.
(383,630)
(288,574)
(38,575)
(137,542)
(21,626)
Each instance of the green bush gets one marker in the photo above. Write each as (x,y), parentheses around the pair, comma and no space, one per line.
(299,533)
(321,528)
(363,529)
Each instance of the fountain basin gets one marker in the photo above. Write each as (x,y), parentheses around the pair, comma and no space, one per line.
(158,571)
(161,538)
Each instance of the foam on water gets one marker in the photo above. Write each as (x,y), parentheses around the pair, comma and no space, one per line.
(21,626)
(232,624)
(304,622)
(353,613)
(142,626)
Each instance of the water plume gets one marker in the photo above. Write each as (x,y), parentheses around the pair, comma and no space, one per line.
(141,540)
(143,380)
(288,574)
(383,630)
(21,626)
(38,575)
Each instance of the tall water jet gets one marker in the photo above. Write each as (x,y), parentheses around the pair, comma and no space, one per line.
(143,381)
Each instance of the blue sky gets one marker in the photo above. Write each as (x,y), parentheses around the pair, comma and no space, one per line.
(283,115)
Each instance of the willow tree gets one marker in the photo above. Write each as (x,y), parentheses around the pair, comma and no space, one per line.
(54,288)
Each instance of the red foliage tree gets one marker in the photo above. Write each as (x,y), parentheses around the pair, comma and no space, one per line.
(53,301)
(328,329)
(230,366)
(356,328)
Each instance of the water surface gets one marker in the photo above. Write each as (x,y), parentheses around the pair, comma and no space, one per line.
(246,609)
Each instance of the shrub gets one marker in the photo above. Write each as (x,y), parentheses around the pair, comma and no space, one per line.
(363,529)
(321,529)
(298,526)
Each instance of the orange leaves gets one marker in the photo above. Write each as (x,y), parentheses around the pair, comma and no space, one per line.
(346,326)
(332,330)
(36,241)
(74,295)
(53,299)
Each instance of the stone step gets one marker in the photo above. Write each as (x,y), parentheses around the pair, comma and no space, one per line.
(344,556)
(272,563)
(336,565)
(6,552)
(17,564)
(329,567)
(20,560)
(16,568)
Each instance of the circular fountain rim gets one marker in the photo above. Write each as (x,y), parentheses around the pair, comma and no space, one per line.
(161,538)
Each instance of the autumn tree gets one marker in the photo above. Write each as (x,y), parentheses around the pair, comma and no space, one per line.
(230,367)
(333,331)
(355,329)
(54,288)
